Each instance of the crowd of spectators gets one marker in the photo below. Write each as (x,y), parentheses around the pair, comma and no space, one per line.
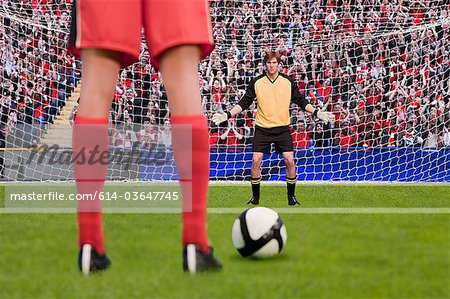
(381,66)
(37,73)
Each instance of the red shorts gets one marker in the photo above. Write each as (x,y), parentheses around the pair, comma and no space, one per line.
(117,25)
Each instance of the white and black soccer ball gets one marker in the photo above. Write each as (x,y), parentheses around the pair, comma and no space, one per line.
(259,232)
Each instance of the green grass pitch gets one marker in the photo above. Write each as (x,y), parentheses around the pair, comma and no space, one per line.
(328,255)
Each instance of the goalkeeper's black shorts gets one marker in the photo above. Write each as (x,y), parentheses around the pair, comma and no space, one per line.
(279,136)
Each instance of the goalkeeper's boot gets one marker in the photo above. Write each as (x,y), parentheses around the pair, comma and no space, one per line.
(89,261)
(195,260)
(292,201)
(253,201)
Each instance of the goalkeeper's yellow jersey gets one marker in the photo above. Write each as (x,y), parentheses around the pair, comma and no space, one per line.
(273,100)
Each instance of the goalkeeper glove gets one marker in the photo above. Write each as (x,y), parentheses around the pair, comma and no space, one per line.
(325,116)
(221,117)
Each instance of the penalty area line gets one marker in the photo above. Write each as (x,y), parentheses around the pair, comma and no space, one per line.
(300,210)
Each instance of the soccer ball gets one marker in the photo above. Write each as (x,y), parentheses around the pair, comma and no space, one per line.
(259,232)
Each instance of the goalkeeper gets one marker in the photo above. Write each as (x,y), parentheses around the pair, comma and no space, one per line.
(274,93)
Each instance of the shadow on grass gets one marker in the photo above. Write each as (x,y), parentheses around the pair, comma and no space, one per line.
(278,258)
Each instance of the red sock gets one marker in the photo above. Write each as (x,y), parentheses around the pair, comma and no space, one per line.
(190,142)
(90,139)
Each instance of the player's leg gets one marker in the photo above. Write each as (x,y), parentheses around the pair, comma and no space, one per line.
(114,27)
(291,179)
(283,144)
(262,143)
(90,133)
(179,35)
(256,177)
(190,140)
(96,95)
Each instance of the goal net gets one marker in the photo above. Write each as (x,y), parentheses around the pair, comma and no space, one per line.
(382,67)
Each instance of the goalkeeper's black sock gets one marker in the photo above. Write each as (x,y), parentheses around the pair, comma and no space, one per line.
(256,183)
(290,184)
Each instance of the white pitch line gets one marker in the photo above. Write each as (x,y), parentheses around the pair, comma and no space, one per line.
(236,211)
(300,210)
